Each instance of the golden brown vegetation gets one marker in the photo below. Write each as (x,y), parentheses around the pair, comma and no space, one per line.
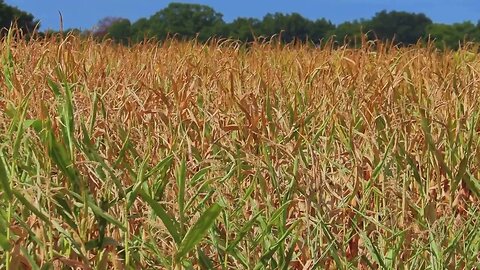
(225,156)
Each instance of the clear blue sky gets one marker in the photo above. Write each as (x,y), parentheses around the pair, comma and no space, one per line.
(85,13)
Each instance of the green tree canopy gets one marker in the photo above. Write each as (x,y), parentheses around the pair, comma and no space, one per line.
(451,35)
(199,21)
(9,14)
(291,26)
(101,29)
(320,29)
(349,32)
(244,29)
(121,31)
(141,29)
(404,27)
(186,20)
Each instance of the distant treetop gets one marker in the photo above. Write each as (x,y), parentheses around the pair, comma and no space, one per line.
(9,14)
(188,21)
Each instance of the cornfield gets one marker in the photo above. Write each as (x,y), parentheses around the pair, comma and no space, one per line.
(181,155)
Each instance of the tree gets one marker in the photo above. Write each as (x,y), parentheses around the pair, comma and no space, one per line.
(291,26)
(8,14)
(404,27)
(450,36)
(141,29)
(320,29)
(120,31)
(349,32)
(244,29)
(100,30)
(187,21)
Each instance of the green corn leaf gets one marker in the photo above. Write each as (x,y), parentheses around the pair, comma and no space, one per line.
(437,255)
(161,166)
(243,231)
(54,87)
(98,211)
(4,243)
(199,175)
(92,153)
(140,180)
(378,168)
(31,207)
(373,250)
(268,255)
(4,178)
(204,261)
(181,179)
(196,233)
(172,226)
(473,184)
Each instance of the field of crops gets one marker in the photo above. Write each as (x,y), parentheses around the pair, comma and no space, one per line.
(188,156)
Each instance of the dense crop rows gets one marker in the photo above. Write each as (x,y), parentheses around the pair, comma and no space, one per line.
(223,156)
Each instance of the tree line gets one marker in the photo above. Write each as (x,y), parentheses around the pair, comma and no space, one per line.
(202,22)
(188,21)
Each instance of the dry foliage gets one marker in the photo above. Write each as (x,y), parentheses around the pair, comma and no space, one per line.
(290,157)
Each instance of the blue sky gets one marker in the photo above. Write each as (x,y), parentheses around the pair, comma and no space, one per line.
(85,13)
